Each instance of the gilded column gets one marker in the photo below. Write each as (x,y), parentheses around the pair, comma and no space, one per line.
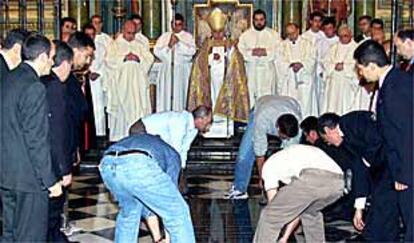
(363,7)
(151,14)
(291,13)
(79,10)
(119,14)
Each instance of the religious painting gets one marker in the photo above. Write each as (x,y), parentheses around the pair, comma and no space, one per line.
(341,9)
(239,18)
(383,11)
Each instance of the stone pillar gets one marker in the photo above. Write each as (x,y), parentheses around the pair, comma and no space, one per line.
(363,7)
(151,14)
(291,13)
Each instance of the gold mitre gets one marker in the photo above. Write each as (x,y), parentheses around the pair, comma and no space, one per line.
(217,20)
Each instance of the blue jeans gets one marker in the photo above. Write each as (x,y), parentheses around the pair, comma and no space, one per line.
(245,158)
(137,180)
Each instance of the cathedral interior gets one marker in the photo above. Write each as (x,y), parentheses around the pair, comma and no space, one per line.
(210,166)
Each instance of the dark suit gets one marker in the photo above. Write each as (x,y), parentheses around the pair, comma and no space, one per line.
(362,137)
(61,162)
(4,68)
(77,109)
(395,119)
(26,168)
(359,38)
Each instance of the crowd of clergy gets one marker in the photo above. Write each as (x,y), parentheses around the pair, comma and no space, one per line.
(95,86)
(316,68)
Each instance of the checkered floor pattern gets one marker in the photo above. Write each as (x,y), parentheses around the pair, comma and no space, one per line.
(215,220)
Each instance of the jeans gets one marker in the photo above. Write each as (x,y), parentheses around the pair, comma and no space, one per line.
(137,180)
(245,158)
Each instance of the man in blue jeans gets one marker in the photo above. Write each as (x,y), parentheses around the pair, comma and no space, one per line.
(143,170)
(274,115)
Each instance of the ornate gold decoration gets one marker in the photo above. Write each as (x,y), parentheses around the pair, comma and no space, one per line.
(239,18)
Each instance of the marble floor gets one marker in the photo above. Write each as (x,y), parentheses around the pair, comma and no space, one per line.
(210,173)
(215,219)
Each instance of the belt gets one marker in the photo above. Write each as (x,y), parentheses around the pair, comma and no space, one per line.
(133,151)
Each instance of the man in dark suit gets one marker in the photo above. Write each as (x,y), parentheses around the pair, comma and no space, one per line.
(77,107)
(10,54)
(26,172)
(358,133)
(364,26)
(61,162)
(404,41)
(395,119)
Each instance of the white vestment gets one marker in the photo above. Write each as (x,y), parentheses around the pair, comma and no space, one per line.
(98,66)
(141,38)
(221,126)
(313,37)
(183,53)
(323,45)
(261,71)
(342,92)
(299,85)
(127,86)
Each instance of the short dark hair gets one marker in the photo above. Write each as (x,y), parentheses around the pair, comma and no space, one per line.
(288,125)
(377,21)
(371,51)
(136,16)
(406,34)
(96,16)
(87,26)
(329,120)
(63,53)
(328,21)
(366,17)
(309,124)
(15,36)
(316,14)
(67,19)
(179,17)
(34,46)
(259,12)
(201,111)
(80,40)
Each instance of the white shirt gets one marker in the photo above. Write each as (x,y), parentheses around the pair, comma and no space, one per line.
(175,128)
(289,162)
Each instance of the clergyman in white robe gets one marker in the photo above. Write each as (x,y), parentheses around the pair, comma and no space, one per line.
(343,92)
(128,86)
(261,70)
(183,52)
(141,38)
(98,67)
(301,84)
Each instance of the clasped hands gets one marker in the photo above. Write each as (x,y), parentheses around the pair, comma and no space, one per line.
(173,40)
(296,66)
(339,66)
(131,57)
(259,52)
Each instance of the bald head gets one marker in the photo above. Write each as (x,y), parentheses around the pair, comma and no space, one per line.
(129,30)
(345,34)
(292,32)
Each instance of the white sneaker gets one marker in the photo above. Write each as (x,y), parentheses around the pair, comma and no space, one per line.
(236,194)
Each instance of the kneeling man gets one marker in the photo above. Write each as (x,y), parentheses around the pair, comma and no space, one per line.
(313,181)
(142,172)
